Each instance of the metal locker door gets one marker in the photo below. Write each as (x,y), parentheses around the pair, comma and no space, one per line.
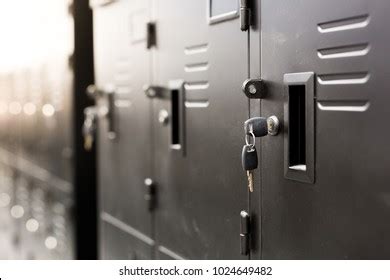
(122,64)
(325,177)
(201,62)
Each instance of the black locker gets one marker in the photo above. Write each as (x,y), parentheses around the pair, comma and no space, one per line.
(324,192)
(196,77)
(122,64)
(170,74)
(201,187)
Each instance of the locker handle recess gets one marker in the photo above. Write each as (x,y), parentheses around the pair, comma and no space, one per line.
(299,127)
(177,97)
(175,94)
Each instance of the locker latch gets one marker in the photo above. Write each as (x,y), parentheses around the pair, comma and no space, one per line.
(244,15)
(89,126)
(107,111)
(151,38)
(150,195)
(254,88)
(244,233)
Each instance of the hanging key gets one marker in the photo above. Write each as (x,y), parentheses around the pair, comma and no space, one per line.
(255,127)
(89,127)
(249,163)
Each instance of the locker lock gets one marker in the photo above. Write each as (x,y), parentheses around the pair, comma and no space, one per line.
(154,91)
(106,111)
(260,126)
(254,88)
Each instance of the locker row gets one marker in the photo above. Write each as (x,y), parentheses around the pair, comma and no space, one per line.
(175,81)
(212,129)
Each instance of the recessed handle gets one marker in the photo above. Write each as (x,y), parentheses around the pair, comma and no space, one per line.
(177,118)
(299,127)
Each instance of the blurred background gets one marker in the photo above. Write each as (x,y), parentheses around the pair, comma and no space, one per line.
(39,113)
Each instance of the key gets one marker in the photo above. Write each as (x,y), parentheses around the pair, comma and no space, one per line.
(258,125)
(249,163)
(88,142)
(89,127)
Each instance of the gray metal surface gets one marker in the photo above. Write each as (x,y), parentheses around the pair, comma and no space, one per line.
(344,213)
(123,62)
(200,188)
(320,189)
(202,192)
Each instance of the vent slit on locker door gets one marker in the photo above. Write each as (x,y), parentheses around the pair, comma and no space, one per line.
(196,67)
(195,49)
(197,104)
(344,24)
(344,51)
(196,85)
(344,106)
(343,78)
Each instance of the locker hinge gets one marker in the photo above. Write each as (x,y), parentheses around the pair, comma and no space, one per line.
(151,37)
(244,15)
(244,233)
(150,195)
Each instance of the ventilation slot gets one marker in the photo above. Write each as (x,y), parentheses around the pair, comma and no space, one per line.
(343,51)
(195,49)
(343,106)
(196,67)
(343,78)
(344,24)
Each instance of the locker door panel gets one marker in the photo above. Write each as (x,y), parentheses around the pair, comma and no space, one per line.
(122,62)
(201,185)
(120,244)
(338,210)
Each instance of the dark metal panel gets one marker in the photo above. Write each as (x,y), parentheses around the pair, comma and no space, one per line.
(120,241)
(122,62)
(202,192)
(83,162)
(254,111)
(343,214)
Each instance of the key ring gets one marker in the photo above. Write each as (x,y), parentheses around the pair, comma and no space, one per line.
(250,133)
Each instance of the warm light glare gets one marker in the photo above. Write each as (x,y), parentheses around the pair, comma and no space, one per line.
(3,108)
(48,110)
(5,199)
(15,108)
(33,31)
(29,109)
(51,242)
(32,225)
(17,211)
